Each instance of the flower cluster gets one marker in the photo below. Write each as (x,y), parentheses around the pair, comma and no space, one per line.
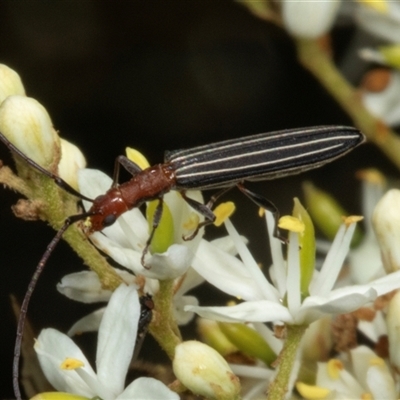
(292,329)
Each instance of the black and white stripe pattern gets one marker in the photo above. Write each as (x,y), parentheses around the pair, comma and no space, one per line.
(263,156)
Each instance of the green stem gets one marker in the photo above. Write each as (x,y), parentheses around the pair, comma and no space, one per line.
(92,258)
(59,206)
(163,327)
(318,62)
(278,389)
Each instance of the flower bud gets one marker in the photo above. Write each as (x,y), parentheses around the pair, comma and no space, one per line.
(10,83)
(72,160)
(386,222)
(309,19)
(326,212)
(391,55)
(205,372)
(249,341)
(212,335)
(27,125)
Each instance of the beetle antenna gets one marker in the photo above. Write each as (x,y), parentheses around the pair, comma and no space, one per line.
(31,287)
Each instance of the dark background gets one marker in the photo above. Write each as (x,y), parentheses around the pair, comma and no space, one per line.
(155,76)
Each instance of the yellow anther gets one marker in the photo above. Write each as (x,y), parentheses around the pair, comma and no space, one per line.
(312,392)
(352,219)
(223,211)
(376,362)
(261,212)
(334,367)
(366,396)
(192,222)
(71,364)
(57,396)
(137,157)
(378,5)
(371,175)
(291,224)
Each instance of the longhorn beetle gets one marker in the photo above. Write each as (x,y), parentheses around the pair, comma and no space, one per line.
(220,165)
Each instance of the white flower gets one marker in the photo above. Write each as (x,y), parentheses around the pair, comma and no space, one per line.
(263,301)
(368,377)
(68,370)
(383,23)
(124,242)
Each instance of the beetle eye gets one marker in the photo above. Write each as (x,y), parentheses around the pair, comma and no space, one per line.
(109,220)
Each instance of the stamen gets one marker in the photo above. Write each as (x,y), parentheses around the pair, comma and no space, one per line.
(291,224)
(223,211)
(334,367)
(312,392)
(352,219)
(192,222)
(71,364)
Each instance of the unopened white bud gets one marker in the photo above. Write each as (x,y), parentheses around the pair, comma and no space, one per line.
(72,160)
(10,83)
(386,223)
(309,19)
(205,372)
(26,124)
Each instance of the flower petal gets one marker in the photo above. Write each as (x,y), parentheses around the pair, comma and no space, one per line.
(117,336)
(339,301)
(225,272)
(268,290)
(183,317)
(52,348)
(251,311)
(383,25)
(85,286)
(171,264)
(149,389)
(89,323)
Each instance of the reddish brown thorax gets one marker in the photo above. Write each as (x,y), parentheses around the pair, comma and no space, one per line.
(149,184)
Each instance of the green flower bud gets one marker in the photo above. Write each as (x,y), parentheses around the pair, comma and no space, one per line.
(248,340)
(212,335)
(326,212)
(205,372)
